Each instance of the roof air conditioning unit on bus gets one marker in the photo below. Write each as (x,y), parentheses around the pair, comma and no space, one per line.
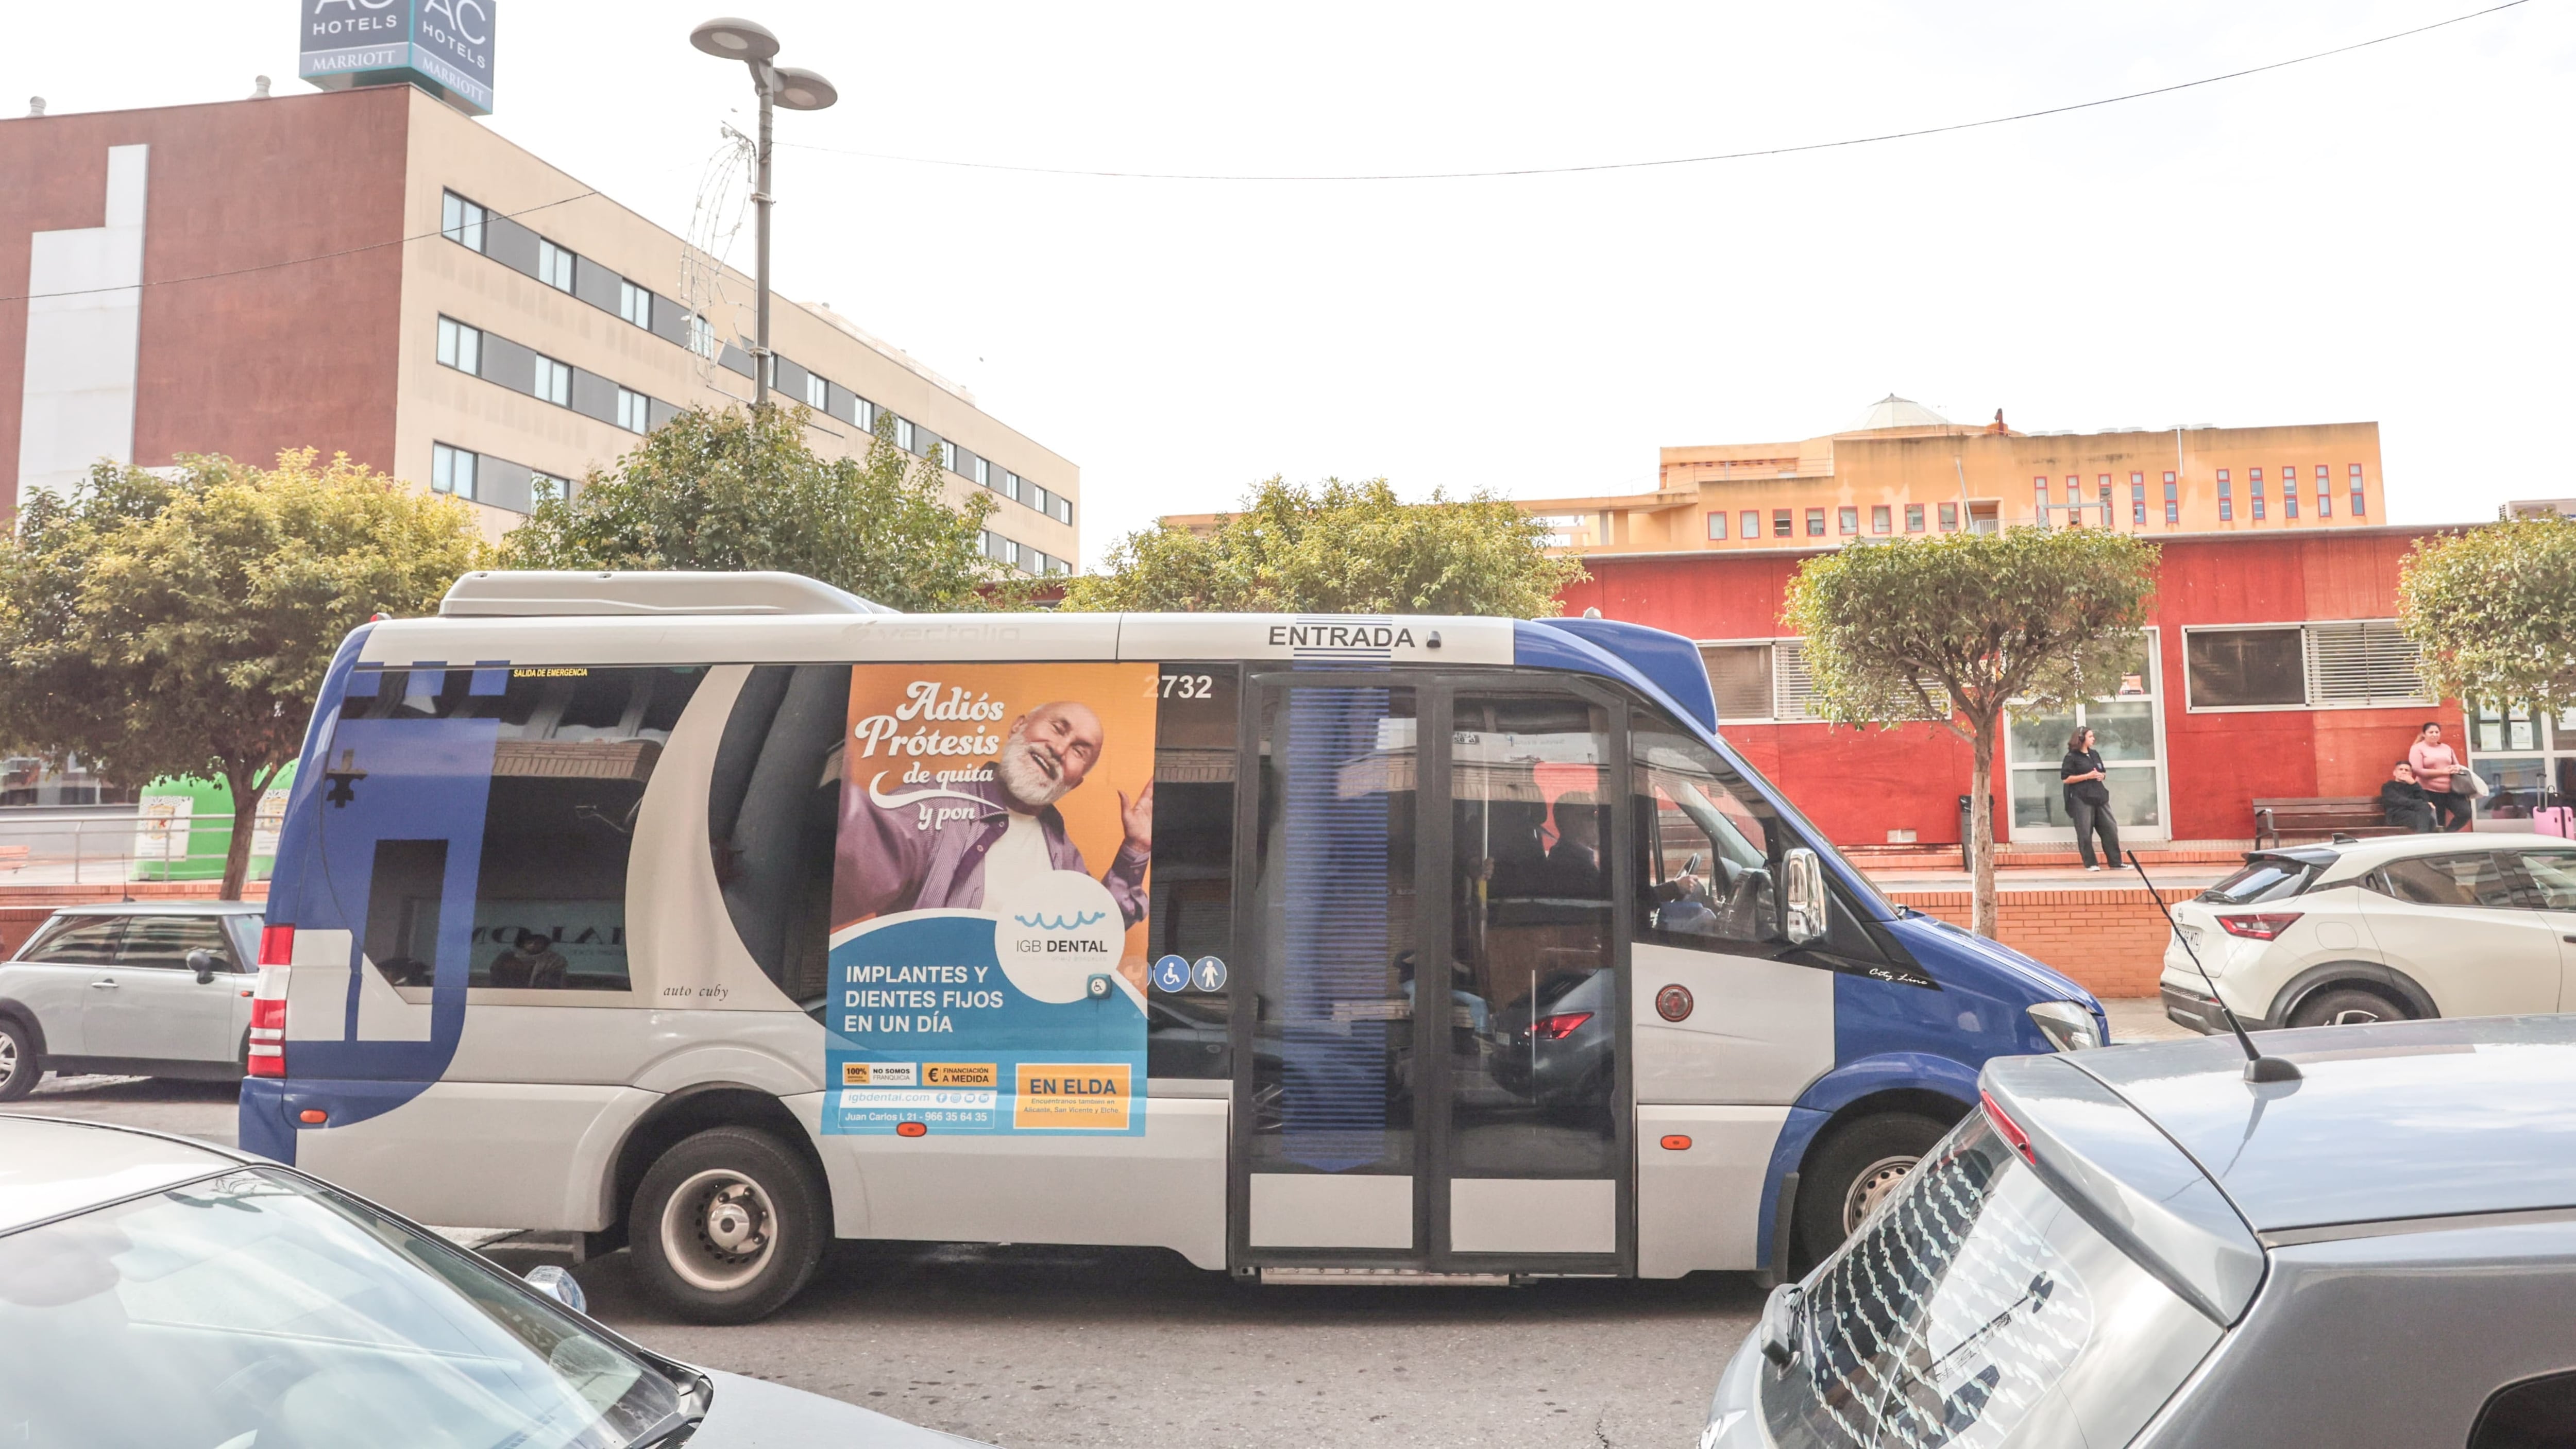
(516,594)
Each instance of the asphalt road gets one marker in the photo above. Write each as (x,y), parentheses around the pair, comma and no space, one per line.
(1033,1348)
(1038,1347)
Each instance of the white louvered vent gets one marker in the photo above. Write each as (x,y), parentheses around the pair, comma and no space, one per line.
(1793,689)
(2363,663)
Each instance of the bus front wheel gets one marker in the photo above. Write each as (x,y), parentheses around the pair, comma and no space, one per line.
(1851,1172)
(728,1225)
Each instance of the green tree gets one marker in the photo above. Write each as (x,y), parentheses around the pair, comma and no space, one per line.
(1953,629)
(737,489)
(1339,548)
(2494,610)
(181,625)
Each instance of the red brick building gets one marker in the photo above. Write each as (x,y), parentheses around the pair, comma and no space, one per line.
(2275,670)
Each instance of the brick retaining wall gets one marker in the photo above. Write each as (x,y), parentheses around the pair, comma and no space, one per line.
(2110,941)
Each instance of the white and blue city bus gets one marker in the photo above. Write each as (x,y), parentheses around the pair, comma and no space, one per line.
(721,915)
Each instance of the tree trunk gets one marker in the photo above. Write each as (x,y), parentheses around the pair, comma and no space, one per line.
(1981,832)
(245,784)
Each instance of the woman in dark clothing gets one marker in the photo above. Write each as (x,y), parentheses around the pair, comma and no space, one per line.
(2403,802)
(2088,799)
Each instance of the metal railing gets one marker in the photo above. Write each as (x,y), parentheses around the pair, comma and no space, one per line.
(115,845)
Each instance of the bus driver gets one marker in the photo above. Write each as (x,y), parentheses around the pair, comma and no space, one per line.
(920,849)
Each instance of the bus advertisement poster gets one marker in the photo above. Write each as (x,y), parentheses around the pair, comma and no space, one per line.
(987,969)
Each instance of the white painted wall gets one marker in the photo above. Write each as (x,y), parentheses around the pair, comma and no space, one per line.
(84,316)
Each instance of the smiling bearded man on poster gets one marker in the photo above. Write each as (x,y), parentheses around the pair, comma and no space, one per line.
(906,848)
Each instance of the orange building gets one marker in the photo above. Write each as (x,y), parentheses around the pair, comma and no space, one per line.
(1903,469)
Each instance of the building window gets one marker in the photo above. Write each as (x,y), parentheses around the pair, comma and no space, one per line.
(1752,522)
(983,473)
(1740,676)
(547,488)
(1063,509)
(947,452)
(451,470)
(635,304)
(702,338)
(2226,498)
(1949,518)
(1717,528)
(818,393)
(2338,664)
(2357,510)
(903,434)
(2173,500)
(2137,498)
(2106,500)
(461,221)
(2074,493)
(1012,483)
(460,346)
(1815,523)
(2290,491)
(554,265)
(1848,519)
(554,381)
(2325,492)
(863,413)
(1780,527)
(1881,519)
(634,411)
(1913,518)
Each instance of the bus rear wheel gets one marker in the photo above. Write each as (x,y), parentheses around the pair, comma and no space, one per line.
(728,1225)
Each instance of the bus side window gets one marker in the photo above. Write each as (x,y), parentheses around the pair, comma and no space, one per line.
(773,810)
(1190,911)
(1708,848)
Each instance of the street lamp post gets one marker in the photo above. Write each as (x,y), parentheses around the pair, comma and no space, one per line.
(798,90)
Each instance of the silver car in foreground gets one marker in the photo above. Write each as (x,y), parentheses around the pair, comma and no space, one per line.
(157,1293)
(2141,1246)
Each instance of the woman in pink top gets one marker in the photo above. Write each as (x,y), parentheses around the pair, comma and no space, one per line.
(2437,769)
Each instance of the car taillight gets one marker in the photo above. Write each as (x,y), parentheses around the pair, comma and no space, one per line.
(2263,926)
(1558,1028)
(277,946)
(2008,1129)
(268,1009)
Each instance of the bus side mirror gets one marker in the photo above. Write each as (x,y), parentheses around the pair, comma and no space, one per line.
(1802,900)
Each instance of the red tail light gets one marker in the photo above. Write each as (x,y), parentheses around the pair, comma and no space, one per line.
(2008,1129)
(268,1003)
(2265,926)
(1558,1028)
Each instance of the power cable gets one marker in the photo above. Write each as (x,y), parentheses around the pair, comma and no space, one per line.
(1669,160)
(290,261)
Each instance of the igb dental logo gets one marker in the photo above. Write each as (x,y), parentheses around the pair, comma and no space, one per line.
(1055,932)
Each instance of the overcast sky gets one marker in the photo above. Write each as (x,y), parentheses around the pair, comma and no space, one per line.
(2383,235)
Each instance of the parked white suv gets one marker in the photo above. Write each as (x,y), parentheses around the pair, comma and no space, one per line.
(2392,929)
(145,989)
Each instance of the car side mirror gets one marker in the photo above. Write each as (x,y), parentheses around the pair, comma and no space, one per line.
(1802,898)
(559,1284)
(203,963)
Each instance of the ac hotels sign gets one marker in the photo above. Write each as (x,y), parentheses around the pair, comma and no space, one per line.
(442,46)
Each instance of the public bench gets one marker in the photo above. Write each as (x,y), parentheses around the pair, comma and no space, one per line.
(2320,817)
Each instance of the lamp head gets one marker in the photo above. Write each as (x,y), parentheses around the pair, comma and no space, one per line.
(729,38)
(798,89)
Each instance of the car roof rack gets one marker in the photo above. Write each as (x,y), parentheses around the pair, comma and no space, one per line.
(543,593)
(2339,838)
